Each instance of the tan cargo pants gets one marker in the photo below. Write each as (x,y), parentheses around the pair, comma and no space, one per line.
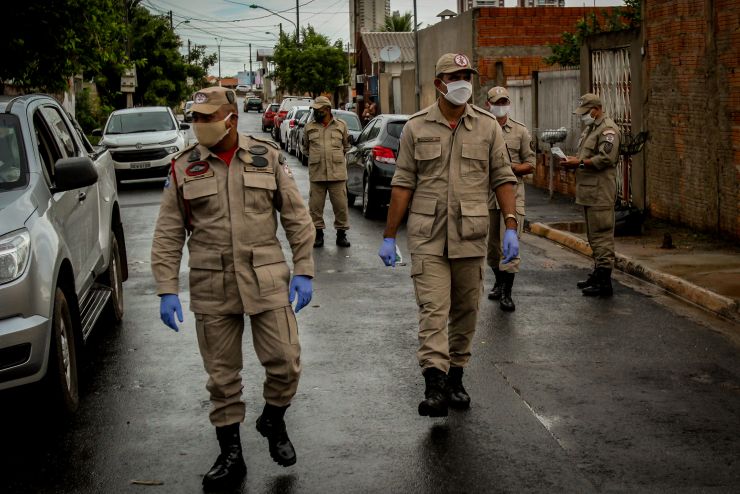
(600,232)
(496,241)
(337,190)
(275,340)
(448,296)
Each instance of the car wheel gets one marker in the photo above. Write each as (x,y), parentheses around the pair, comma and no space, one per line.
(61,375)
(264,129)
(369,202)
(304,160)
(350,199)
(113,279)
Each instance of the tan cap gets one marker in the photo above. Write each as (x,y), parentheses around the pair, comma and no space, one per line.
(209,99)
(453,62)
(320,102)
(497,93)
(587,101)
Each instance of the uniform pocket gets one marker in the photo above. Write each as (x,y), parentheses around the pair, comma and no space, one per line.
(421,216)
(271,269)
(259,188)
(417,268)
(337,156)
(474,220)
(206,276)
(587,189)
(427,155)
(202,195)
(474,160)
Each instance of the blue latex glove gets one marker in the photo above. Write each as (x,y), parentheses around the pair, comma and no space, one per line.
(387,251)
(168,304)
(303,286)
(511,245)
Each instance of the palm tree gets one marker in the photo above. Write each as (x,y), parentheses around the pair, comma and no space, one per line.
(397,22)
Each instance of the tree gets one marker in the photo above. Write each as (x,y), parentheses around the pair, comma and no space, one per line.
(45,43)
(314,66)
(568,51)
(398,22)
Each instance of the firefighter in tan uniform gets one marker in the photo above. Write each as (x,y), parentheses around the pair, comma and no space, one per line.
(223,197)
(521,151)
(451,155)
(596,189)
(326,141)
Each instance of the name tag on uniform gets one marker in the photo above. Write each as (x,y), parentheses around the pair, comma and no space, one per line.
(428,139)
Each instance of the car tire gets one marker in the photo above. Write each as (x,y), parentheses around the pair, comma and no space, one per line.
(350,199)
(113,278)
(61,375)
(304,160)
(369,200)
(264,129)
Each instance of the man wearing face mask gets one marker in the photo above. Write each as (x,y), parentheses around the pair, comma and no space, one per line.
(223,196)
(326,142)
(596,189)
(521,151)
(451,156)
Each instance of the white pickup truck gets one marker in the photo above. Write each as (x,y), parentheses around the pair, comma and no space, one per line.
(62,249)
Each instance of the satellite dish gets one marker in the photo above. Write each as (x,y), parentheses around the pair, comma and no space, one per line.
(390,53)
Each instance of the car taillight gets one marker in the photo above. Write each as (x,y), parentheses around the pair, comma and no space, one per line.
(292,123)
(282,114)
(384,155)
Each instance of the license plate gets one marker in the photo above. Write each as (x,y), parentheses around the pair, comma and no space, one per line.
(139,166)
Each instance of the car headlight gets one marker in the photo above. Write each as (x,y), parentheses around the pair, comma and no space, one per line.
(15,249)
(172,149)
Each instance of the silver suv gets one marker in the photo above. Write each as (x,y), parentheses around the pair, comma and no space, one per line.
(62,250)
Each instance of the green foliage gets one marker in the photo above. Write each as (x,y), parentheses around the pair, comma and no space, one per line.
(314,66)
(47,41)
(398,22)
(568,51)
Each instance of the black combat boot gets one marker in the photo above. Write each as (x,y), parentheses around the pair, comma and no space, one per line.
(495,293)
(602,285)
(229,469)
(272,426)
(506,303)
(459,398)
(319,240)
(342,238)
(588,281)
(435,394)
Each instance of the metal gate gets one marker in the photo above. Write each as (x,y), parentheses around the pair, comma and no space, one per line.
(611,81)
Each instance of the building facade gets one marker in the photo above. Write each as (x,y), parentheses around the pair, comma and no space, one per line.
(367,15)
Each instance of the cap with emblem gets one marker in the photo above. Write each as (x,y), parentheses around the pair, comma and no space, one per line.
(587,101)
(453,62)
(497,93)
(320,102)
(208,100)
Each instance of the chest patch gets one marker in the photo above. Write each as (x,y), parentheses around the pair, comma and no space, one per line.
(259,161)
(196,169)
(257,150)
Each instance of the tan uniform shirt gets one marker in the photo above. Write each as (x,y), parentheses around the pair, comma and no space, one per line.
(521,150)
(451,173)
(231,214)
(325,148)
(599,142)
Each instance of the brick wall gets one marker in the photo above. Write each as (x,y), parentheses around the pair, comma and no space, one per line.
(693,112)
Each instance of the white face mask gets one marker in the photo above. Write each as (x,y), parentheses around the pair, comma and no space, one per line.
(587,119)
(500,110)
(458,92)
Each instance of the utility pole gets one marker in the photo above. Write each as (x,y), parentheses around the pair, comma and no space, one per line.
(281,28)
(251,80)
(416,57)
(170,19)
(218,42)
(188,51)
(349,76)
(297,23)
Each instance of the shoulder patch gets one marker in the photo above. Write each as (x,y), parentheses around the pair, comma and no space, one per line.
(609,131)
(266,141)
(287,170)
(190,148)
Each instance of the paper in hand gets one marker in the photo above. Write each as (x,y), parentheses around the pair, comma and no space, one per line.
(558,152)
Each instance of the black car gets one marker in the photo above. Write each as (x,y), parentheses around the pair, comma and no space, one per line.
(252,104)
(371,162)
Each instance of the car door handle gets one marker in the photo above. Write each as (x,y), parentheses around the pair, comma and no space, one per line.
(81,196)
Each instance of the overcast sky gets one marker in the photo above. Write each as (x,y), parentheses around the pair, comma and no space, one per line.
(234,25)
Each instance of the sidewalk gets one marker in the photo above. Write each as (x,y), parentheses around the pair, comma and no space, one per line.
(700,268)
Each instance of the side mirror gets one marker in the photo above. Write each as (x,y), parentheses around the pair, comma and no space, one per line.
(351,139)
(97,132)
(184,126)
(74,173)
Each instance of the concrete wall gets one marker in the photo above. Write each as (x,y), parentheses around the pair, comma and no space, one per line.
(692,53)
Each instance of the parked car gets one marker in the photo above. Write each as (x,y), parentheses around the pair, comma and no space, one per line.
(371,162)
(288,124)
(187,112)
(287,103)
(142,141)
(354,128)
(252,103)
(268,116)
(242,88)
(62,248)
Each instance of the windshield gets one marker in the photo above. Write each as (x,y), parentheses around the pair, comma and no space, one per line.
(12,161)
(145,121)
(274,107)
(255,100)
(353,123)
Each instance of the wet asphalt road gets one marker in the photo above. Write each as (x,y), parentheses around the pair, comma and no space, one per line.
(633,393)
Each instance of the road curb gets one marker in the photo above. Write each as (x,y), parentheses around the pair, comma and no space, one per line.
(709,300)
